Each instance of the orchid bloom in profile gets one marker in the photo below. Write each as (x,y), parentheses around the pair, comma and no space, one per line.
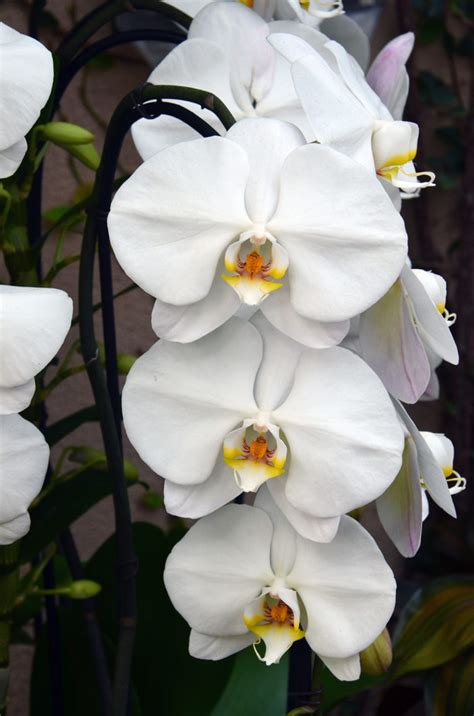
(33,325)
(346,114)
(243,575)
(402,333)
(26,79)
(246,406)
(427,467)
(258,217)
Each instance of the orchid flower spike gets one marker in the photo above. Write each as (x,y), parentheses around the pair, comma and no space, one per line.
(401,333)
(26,79)
(24,458)
(243,575)
(245,406)
(261,218)
(34,323)
(346,114)
(427,467)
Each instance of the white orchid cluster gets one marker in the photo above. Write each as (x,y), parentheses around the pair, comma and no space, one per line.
(33,321)
(291,324)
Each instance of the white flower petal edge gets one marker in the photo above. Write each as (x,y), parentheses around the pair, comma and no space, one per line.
(338,595)
(26,80)
(34,323)
(23,462)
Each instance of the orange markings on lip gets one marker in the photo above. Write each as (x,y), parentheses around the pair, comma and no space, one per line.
(279,613)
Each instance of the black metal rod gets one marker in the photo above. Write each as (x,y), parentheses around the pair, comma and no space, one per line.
(94,635)
(119,38)
(149,102)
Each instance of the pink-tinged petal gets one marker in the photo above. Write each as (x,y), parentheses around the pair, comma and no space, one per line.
(399,508)
(180,400)
(390,344)
(432,326)
(387,74)
(219,567)
(430,471)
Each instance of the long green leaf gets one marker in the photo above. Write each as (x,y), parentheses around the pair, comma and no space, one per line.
(436,625)
(57,431)
(450,689)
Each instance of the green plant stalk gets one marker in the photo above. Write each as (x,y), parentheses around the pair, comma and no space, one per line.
(9,583)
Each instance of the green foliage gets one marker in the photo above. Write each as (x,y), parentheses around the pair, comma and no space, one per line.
(450,689)
(63,504)
(436,625)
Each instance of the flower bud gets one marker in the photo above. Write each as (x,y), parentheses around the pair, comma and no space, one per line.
(376,659)
(66,133)
(83,589)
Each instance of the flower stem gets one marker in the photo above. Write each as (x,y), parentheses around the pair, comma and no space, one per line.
(9,582)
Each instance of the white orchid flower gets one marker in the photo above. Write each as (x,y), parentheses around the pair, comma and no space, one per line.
(243,406)
(243,575)
(226,53)
(257,217)
(400,333)
(345,113)
(33,325)
(23,461)
(264,8)
(26,79)
(427,467)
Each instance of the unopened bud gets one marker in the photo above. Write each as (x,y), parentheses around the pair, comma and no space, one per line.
(66,133)
(376,659)
(125,362)
(83,589)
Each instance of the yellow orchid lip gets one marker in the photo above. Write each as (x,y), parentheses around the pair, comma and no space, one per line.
(253,463)
(276,625)
(252,273)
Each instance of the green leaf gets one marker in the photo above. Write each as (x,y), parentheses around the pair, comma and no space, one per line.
(450,689)
(63,505)
(336,692)
(435,626)
(254,689)
(57,431)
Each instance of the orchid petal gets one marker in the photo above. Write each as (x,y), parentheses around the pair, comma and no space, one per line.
(314,334)
(432,326)
(390,344)
(344,436)
(34,323)
(317,529)
(185,324)
(348,33)
(283,545)
(23,461)
(347,669)
(11,158)
(214,648)
(169,238)
(152,135)
(442,449)
(387,74)
(179,401)
(399,508)
(14,400)
(431,473)
(219,567)
(195,501)
(25,84)
(335,264)
(347,589)
(266,144)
